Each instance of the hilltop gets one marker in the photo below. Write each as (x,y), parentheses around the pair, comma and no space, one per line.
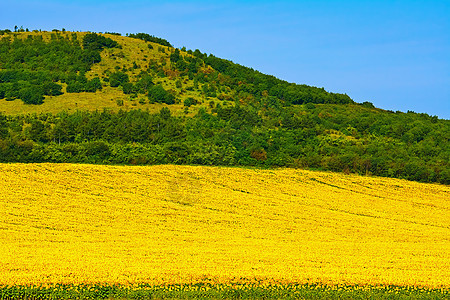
(88,71)
(112,99)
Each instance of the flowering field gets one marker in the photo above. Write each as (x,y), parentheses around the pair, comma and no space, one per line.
(169,225)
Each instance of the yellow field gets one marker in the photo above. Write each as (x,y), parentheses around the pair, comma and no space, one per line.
(176,224)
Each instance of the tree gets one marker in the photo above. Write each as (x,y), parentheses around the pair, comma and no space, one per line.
(31,95)
(118,78)
(51,89)
(190,101)
(93,85)
(3,126)
(128,88)
(98,149)
(174,57)
(158,94)
(91,57)
(165,113)
(144,83)
(59,132)
(95,42)
(37,131)
(75,87)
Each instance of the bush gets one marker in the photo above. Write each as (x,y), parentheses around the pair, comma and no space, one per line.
(97,148)
(118,78)
(51,89)
(93,85)
(158,94)
(95,42)
(75,87)
(31,95)
(91,57)
(190,101)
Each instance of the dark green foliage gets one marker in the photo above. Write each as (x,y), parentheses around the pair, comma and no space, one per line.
(96,42)
(342,138)
(158,94)
(175,56)
(51,89)
(113,33)
(118,78)
(33,54)
(91,57)
(190,101)
(75,87)
(4,31)
(31,95)
(93,85)
(3,127)
(38,131)
(150,38)
(3,89)
(220,291)
(81,84)
(128,88)
(97,149)
(144,83)
(368,104)
(238,116)
(254,82)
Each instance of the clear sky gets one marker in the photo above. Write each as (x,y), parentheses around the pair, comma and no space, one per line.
(395,54)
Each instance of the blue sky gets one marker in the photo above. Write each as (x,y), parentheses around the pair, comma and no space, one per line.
(395,54)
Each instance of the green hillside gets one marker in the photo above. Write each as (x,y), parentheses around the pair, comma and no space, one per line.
(56,69)
(110,99)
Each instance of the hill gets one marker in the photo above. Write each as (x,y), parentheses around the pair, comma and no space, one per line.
(179,224)
(114,72)
(109,99)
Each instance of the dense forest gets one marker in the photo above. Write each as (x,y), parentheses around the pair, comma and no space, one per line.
(242,117)
(327,137)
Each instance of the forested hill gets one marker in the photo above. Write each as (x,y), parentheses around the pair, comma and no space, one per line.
(36,66)
(106,98)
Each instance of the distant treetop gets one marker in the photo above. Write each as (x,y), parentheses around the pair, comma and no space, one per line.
(113,33)
(150,38)
(95,42)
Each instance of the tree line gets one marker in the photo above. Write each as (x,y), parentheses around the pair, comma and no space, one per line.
(343,138)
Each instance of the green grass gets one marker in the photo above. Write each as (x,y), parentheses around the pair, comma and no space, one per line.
(220,291)
(132,51)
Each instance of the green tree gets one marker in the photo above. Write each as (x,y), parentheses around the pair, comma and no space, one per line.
(93,85)
(118,78)
(3,127)
(31,95)
(51,89)
(37,131)
(91,57)
(158,94)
